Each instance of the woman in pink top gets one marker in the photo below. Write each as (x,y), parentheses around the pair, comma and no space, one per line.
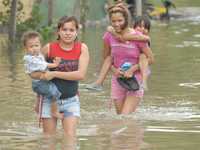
(120,52)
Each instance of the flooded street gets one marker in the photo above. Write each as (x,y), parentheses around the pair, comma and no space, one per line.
(168,118)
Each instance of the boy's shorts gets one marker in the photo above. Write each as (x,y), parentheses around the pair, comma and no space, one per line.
(46,88)
(68,106)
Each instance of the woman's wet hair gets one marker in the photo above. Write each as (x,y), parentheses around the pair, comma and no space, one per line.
(142,19)
(119,9)
(66,19)
(118,1)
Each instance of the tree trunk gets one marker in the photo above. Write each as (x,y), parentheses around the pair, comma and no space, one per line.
(76,9)
(83,10)
(38,1)
(50,12)
(12,21)
(139,7)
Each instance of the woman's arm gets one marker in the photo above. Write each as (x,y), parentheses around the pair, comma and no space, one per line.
(129,73)
(117,71)
(148,53)
(106,50)
(74,75)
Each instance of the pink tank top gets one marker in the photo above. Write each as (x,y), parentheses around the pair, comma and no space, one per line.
(128,51)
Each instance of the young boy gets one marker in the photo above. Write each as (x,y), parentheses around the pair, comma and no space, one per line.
(34,61)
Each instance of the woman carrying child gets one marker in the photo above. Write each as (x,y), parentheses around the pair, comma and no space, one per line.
(117,53)
(72,68)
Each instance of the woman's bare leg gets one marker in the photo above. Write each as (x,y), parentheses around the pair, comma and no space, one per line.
(69,126)
(49,130)
(49,126)
(130,104)
(118,105)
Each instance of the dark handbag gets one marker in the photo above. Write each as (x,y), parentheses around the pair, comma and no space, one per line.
(130,84)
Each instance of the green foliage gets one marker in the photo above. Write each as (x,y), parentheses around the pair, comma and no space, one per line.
(3,18)
(34,23)
(47,33)
(31,23)
(4,15)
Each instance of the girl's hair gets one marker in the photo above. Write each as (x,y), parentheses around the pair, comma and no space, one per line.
(138,22)
(66,19)
(119,9)
(118,1)
(30,35)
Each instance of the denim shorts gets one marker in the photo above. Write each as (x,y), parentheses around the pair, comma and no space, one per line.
(69,106)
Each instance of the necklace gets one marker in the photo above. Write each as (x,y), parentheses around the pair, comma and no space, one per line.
(66,48)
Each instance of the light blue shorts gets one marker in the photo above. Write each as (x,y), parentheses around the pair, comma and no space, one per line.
(69,106)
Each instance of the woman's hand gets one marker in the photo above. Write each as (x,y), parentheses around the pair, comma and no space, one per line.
(129,73)
(49,75)
(117,72)
(57,60)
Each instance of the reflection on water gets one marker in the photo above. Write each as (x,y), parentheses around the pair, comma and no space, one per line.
(112,133)
(17,140)
(166,119)
(190,85)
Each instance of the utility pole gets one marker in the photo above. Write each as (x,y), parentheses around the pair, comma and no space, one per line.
(12,21)
(50,12)
(83,12)
(138,7)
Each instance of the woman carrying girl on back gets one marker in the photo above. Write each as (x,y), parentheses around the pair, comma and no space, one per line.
(117,53)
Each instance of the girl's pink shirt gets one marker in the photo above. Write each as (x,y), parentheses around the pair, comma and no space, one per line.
(122,52)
